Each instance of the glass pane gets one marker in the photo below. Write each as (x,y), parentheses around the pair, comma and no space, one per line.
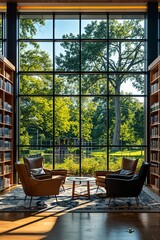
(132,84)
(94,84)
(126,121)
(94,27)
(36,121)
(68,158)
(36,56)
(93,159)
(126,27)
(94,56)
(36,84)
(66,26)
(99,89)
(93,121)
(67,56)
(67,84)
(115,157)
(66,119)
(36,26)
(126,56)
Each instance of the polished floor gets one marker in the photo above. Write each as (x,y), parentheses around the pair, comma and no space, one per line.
(80,226)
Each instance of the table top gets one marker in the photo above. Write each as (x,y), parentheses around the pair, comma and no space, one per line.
(81,179)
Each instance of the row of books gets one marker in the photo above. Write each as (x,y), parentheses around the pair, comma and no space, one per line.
(154,87)
(6,106)
(154,144)
(7,119)
(7,156)
(154,106)
(156,182)
(7,169)
(154,168)
(5,132)
(4,145)
(7,75)
(154,156)
(155,75)
(4,183)
(154,119)
(7,86)
(154,131)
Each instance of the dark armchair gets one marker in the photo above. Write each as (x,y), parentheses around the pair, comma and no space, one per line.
(127,186)
(128,168)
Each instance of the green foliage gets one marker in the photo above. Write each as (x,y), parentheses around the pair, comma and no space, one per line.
(125,113)
(70,165)
(62,116)
(89,165)
(98,162)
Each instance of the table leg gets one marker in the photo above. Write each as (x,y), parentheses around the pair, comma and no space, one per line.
(78,195)
(88,189)
(73,189)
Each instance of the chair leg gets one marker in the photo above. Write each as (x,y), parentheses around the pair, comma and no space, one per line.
(56,199)
(63,187)
(109,201)
(137,200)
(30,202)
(25,198)
(97,189)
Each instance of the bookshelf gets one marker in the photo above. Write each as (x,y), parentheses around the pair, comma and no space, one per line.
(6,123)
(154,69)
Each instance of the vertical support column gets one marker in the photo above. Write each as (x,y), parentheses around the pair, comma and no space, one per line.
(11,32)
(152,53)
(152,31)
(12,57)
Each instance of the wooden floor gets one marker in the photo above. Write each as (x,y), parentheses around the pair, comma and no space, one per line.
(80,226)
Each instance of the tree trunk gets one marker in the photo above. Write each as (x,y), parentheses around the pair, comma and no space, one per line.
(116,133)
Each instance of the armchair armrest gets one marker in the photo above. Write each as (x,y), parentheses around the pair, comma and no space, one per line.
(47,171)
(42,176)
(62,172)
(119,176)
(45,187)
(105,172)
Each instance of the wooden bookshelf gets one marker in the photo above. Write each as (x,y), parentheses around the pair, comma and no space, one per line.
(6,123)
(154,69)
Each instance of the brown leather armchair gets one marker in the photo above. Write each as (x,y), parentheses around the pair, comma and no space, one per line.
(128,168)
(36,187)
(35,168)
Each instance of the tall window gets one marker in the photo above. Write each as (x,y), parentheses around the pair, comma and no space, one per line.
(2,33)
(82,89)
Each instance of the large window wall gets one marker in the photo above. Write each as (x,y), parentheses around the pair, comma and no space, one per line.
(82,89)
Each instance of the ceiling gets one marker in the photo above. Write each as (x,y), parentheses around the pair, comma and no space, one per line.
(80,1)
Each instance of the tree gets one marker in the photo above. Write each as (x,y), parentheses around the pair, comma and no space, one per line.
(123,57)
(39,107)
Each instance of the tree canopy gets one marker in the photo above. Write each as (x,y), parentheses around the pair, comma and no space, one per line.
(104,66)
